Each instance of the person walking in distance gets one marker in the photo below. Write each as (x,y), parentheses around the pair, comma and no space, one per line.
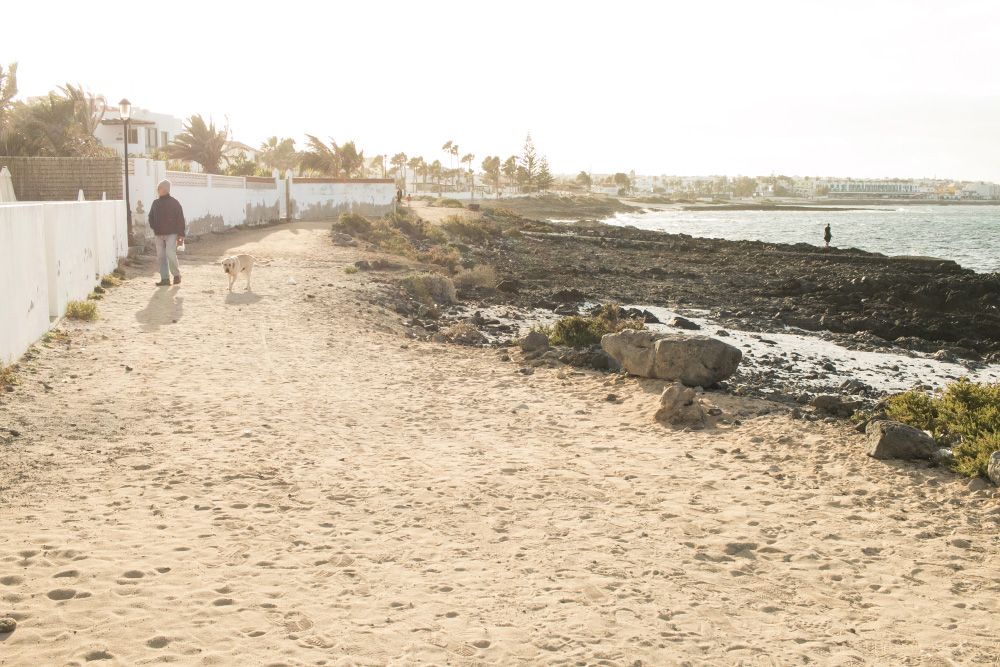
(827,236)
(166,218)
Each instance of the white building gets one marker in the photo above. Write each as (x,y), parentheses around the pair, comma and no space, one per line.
(148,131)
(236,147)
(871,189)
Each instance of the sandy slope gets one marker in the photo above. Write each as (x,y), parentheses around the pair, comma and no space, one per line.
(282,479)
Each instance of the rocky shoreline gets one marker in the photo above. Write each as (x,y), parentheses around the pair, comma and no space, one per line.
(858,300)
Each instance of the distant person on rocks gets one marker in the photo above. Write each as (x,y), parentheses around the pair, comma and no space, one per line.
(409,199)
(827,236)
(166,218)
(399,196)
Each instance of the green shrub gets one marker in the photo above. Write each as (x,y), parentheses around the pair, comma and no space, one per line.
(473,230)
(429,288)
(965,416)
(447,202)
(351,269)
(388,238)
(99,290)
(95,297)
(81,310)
(481,275)
(8,375)
(353,224)
(577,331)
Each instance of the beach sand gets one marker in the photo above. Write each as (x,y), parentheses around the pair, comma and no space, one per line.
(280,477)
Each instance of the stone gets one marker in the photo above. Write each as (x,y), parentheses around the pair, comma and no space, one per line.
(7,625)
(683,323)
(690,359)
(993,470)
(835,405)
(896,440)
(509,286)
(679,405)
(569,296)
(343,240)
(534,340)
(978,484)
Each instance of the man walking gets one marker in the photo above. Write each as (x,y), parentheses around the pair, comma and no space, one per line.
(166,218)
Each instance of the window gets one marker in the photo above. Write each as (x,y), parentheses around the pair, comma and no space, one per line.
(133,136)
(163,139)
(151,137)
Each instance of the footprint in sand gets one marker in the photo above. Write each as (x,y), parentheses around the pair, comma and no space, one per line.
(62,594)
(292,621)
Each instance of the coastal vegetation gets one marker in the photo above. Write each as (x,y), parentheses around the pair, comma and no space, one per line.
(201,142)
(965,417)
(81,310)
(447,202)
(579,331)
(8,375)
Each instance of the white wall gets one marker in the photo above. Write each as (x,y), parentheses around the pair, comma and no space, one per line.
(327,198)
(24,286)
(210,202)
(53,252)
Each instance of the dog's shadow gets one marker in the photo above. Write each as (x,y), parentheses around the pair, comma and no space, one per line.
(242,298)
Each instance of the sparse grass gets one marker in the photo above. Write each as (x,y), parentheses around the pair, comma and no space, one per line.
(578,331)
(481,275)
(447,202)
(353,224)
(8,375)
(448,257)
(351,269)
(429,288)
(81,310)
(99,290)
(94,297)
(965,416)
(110,280)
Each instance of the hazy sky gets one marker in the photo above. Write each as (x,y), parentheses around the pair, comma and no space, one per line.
(861,89)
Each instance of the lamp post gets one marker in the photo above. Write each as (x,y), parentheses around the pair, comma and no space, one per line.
(125,111)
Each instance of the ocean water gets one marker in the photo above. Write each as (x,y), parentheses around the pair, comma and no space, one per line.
(969,235)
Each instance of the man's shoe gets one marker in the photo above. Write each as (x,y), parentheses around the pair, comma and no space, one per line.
(177,280)
(163,283)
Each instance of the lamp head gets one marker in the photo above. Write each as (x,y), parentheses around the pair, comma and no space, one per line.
(125,109)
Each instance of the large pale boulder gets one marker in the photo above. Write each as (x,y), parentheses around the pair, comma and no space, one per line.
(696,361)
(994,468)
(896,440)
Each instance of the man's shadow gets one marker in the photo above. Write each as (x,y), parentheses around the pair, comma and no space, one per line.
(166,306)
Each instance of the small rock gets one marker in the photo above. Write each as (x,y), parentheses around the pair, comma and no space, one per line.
(683,323)
(534,340)
(960,543)
(796,413)
(895,440)
(7,625)
(611,398)
(978,484)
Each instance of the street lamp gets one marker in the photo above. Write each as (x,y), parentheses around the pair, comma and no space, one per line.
(125,110)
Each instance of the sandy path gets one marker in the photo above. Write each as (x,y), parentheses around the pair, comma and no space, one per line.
(282,479)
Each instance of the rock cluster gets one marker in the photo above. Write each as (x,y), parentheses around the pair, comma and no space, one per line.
(681,406)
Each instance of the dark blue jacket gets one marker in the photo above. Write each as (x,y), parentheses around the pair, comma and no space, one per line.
(166,216)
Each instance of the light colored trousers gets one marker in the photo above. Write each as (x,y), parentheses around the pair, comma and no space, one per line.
(166,255)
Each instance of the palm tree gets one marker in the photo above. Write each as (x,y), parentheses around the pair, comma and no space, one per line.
(279,153)
(415,163)
(201,143)
(509,169)
(319,157)
(399,162)
(351,160)
(454,152)
(435,169)
(469,157)
(8,90)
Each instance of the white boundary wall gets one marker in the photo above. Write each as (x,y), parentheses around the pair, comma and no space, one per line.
(327,198)
(210,202)
(52,253)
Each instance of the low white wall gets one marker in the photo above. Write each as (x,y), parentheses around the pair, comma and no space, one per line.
(327,198)
(24,285)
(210,202)
(53,253)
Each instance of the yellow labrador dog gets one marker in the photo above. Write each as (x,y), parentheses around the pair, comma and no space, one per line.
(240,264)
